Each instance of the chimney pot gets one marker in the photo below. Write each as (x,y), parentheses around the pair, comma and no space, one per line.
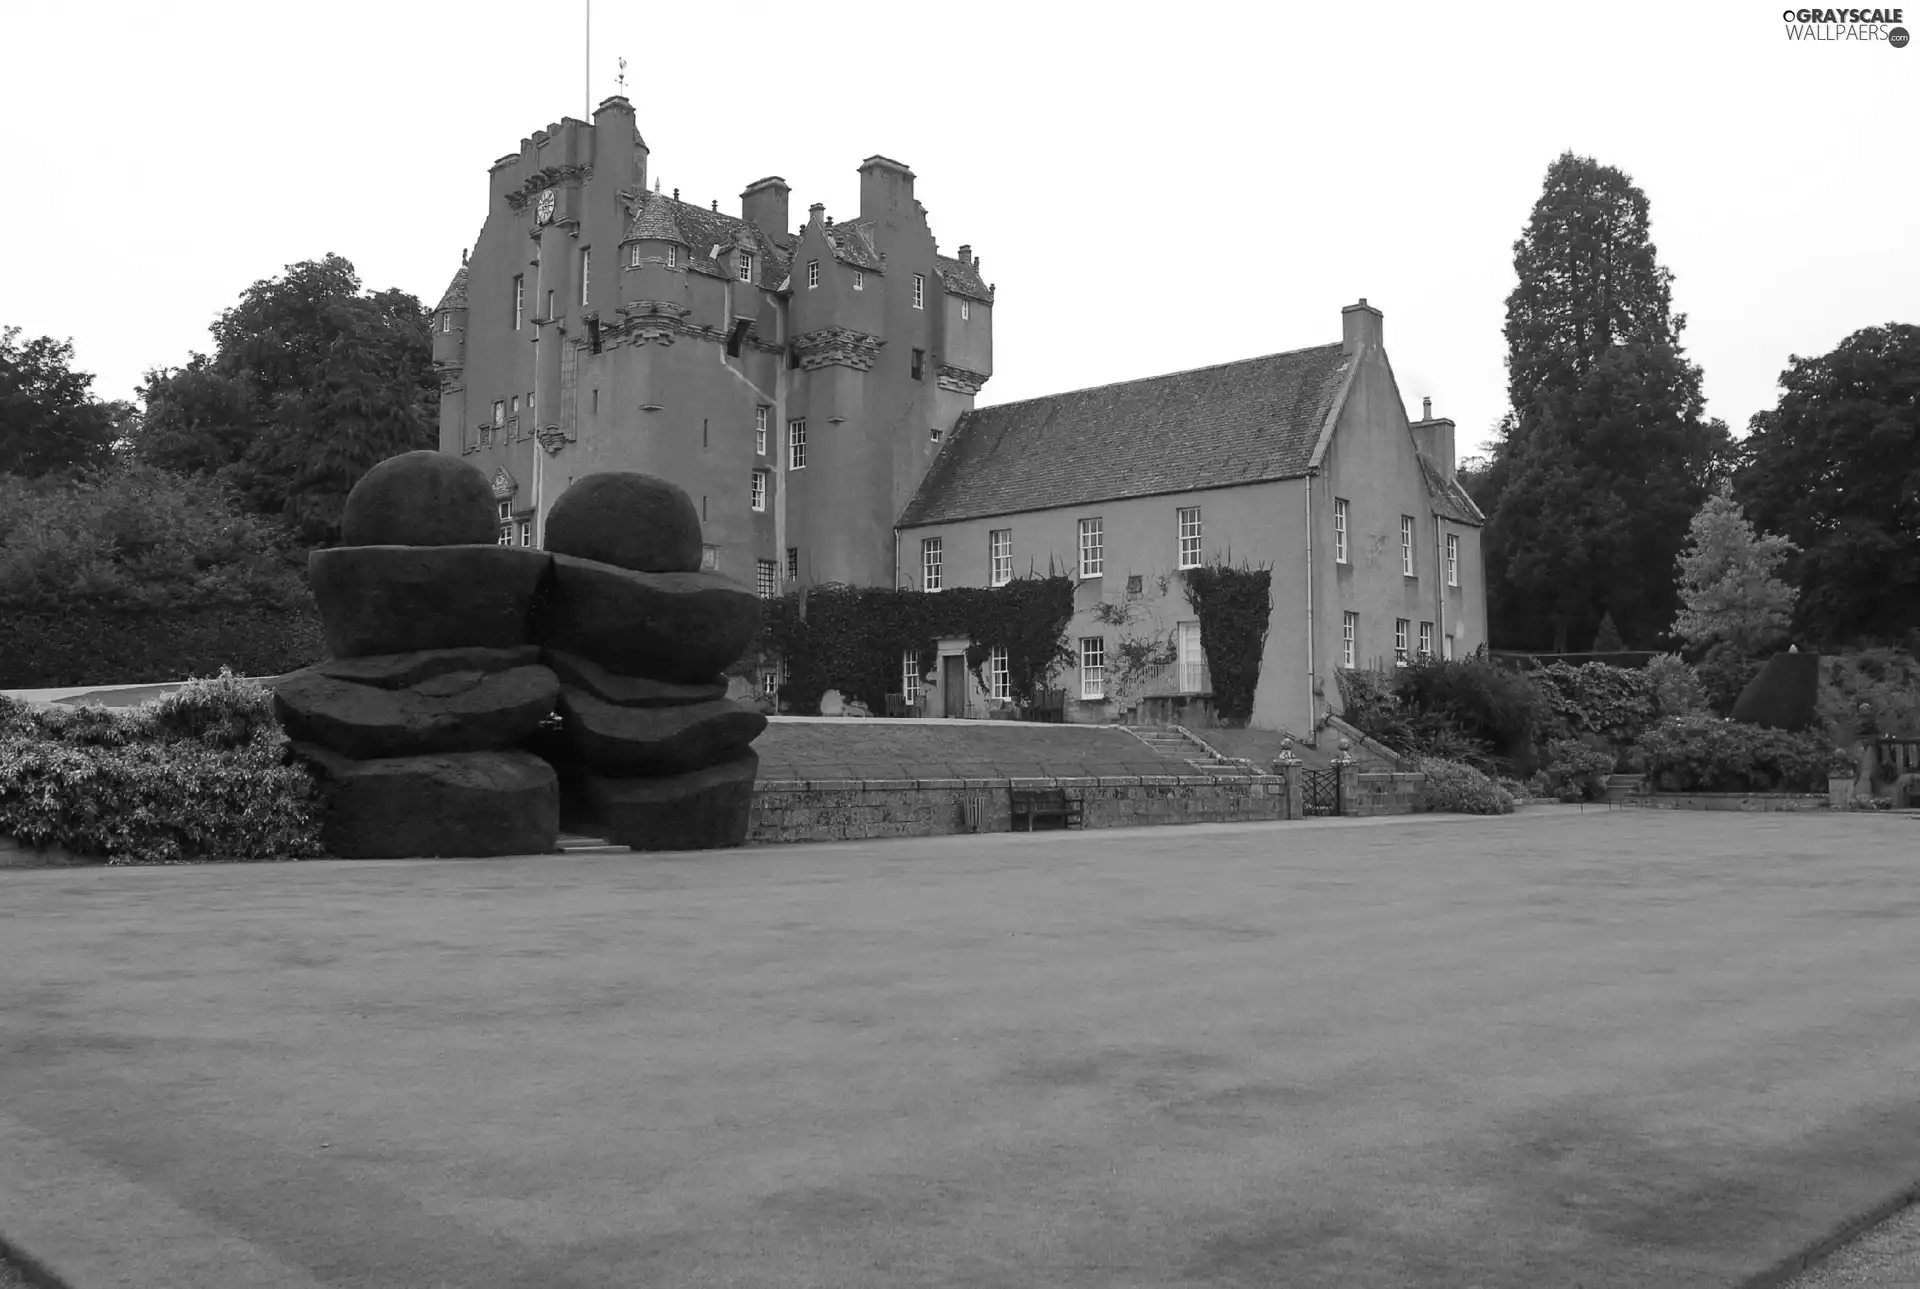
(966,254)
(1426,409)
(676,194)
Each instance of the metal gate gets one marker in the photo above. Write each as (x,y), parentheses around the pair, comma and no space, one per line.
(1320,792)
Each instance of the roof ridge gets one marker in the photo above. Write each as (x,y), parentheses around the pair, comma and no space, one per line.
(1143,380)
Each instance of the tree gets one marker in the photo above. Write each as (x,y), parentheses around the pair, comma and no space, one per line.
(312,383)
(49,420)
(1835,468)
(1603,455)
(1729,585)
(1607,639)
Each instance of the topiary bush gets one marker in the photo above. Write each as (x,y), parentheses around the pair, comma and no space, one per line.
(200,774)
(1234,606)
(1456,788)
(1709,754)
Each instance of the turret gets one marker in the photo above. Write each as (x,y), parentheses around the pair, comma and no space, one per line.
(654,254)
(450,323)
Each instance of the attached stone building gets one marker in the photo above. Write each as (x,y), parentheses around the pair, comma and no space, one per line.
(797,382)
(1302,462)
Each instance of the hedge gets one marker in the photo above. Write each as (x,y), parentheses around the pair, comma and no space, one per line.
(49,650)
(1709,754)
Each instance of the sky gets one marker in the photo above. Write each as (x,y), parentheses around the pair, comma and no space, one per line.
(1151,188)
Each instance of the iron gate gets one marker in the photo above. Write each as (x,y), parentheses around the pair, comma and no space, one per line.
(1320,792)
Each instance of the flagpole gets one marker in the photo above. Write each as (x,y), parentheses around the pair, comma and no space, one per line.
(588,115)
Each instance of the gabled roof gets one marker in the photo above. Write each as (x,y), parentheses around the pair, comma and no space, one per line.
(1450,500)
(456,296)
(959,277)
(698,229)
(1239,422)
(853,244)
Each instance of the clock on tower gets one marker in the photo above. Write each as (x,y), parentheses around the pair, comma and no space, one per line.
(544,210)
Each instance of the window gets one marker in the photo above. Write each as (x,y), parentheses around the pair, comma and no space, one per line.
(770,682)
(1093,666)
(1339,530)
(760,430)
(709,558)
(586,271)
(1092,549)
(919,356)
(746,266)
(859,280)
(929,563)
(519,301)
(1426,639)
(504,510)
(813,274)
(796,445)
(499,413)
(550,314)
(1406,545)
(919,292)
(1349,635)
(910,678)
(999,683)
(1135,586)
(596,402)
(1400,629)
(513,406)
(1000,556)
(633,256)
(1189,517)
(1447,644)
(446,321)
(759,489)
(673,257)
(965,311)
(763,578)
(506,535)
(526,532)
(1453,559)
(1193,662)
(793,563)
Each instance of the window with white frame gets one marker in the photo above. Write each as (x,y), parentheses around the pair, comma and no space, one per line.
(1349,639)
(1093,666)
(586,271)
(709,558)
(796,445)
(999,681)
(499,413)
(760,415)
(919,292)
(1447,644)
(519,301)
(673,257)
(1401,628)
(446,321)
(1453,559)
(1189,523)
(633,256)
(859,280)
(1426,639)
(966,311)
(929,563)
(1339,530)
(1406,545)
(759,489)
(1000,556)
(1193,662)
(910,677)
(813,274)
(763,578)
(1093,560)
(746,266)
(770,682)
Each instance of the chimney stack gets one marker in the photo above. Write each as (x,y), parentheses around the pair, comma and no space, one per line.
(764,205)
(816,212)
(1426,409)
(966,255)
(1434,438)
(1359,327)
(886,185)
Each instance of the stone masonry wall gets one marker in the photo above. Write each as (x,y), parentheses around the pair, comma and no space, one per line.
(794,810)
(1387,794)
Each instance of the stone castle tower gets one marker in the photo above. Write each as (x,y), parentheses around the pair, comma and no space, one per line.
(795,382)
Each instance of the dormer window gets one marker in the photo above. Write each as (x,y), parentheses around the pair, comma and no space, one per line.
(919,292)
(813,274)
(746,266)
(859,280)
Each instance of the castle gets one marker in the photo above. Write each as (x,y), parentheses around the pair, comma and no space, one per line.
(796,382)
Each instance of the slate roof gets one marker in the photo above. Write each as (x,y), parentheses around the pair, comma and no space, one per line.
(1239,422)
(1450,500)
(960,278)
(853,244)
(456,296)
(700,229)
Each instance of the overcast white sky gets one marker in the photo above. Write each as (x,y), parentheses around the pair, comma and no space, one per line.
(1151,187)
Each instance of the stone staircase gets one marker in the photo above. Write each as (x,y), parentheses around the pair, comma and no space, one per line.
(1176,743)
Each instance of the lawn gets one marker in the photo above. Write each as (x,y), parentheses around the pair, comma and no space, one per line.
(1630,1048)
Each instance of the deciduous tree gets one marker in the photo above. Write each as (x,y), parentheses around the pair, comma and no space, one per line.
(49,418)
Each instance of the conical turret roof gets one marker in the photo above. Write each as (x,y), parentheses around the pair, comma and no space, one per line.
(456,296)
(653,220)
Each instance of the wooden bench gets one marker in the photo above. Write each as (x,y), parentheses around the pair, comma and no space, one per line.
(1046,803)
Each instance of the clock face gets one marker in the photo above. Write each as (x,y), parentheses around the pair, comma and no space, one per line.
(545,208)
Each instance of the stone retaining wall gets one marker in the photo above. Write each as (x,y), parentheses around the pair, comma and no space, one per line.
(795,810)
(1753,801)
(1387,794)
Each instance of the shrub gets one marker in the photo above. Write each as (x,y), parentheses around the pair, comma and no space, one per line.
(200,774)
(1615,703)
(1887,681)
(1460,789)
(1724,672)
(1708,754)
(1481,699)
(1676,687)
(1370,702)
(1576,769)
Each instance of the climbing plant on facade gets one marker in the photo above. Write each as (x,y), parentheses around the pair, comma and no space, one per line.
(1234,606)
